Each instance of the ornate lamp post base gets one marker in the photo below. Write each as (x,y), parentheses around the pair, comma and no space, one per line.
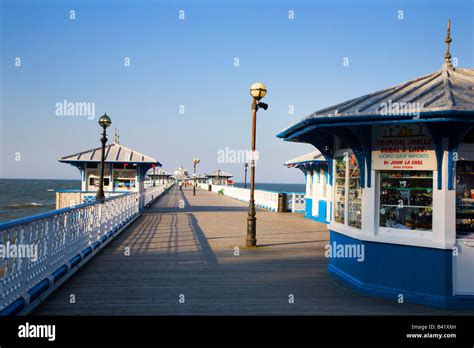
(100,196)
(251,226)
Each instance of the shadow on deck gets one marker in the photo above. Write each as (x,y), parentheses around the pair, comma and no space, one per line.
(191,251)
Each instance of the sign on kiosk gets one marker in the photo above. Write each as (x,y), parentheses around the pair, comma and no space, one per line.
(402,147)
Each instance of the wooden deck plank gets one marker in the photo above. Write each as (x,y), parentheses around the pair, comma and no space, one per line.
(190,251)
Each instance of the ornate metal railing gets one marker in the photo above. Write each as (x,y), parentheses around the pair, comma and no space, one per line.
(296,202)
(53,243)
(263,199)
(69,198)
(153,193)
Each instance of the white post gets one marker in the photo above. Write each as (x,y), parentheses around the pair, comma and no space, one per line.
(49,243)
(25,238)
(369,199)
(101,220)
(67,237)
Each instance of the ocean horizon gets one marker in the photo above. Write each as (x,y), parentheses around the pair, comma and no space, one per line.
(26,197)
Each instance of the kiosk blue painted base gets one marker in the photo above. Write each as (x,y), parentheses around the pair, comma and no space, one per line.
(422,275)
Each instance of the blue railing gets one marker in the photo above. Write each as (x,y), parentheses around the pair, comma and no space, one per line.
(62,239)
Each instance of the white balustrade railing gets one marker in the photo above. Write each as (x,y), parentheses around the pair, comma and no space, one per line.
(69,198)
(152,193)
(158,182)
(55,240)
(296,202)
(263,199)
(203,186)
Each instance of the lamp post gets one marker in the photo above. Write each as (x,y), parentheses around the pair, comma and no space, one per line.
(257,91)
(245,175)
(195,162)
(104,122)
(219,177)
(154,166)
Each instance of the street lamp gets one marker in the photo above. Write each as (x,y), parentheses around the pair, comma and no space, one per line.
(245,175)
(195,162)
(104,122)
(219,177)
(257,91)
(154,166)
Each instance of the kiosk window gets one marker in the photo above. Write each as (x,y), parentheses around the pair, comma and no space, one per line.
(340,190)
(96,181)
(406,199)
(355,194)
(465,199)
(124,179)
(348,192)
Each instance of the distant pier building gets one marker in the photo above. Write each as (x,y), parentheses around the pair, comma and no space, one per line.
(181,174)
(201,178)
(220,177)
(159,175)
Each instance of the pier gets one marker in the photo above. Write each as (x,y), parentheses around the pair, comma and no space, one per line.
(183,261)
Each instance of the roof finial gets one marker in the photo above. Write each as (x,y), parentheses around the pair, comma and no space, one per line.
(447,56)
(117,137)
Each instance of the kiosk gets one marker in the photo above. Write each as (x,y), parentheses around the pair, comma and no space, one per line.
(159,175)
(219,177)
(318,188)
(401,163)
(124,171)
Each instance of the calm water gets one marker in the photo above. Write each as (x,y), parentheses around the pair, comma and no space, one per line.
(24,197)
(275,187)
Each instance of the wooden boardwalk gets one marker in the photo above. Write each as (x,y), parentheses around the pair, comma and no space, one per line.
(190,251)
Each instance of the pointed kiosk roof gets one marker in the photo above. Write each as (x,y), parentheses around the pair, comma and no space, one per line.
(313,156)
(220,173)
(114,153)
(446,89)
(449,89)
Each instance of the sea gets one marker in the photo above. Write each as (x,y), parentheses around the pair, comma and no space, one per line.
(25,197)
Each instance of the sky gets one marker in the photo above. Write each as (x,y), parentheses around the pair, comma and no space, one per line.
(174,76)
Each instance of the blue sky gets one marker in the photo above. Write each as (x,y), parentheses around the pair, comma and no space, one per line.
(190,62)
